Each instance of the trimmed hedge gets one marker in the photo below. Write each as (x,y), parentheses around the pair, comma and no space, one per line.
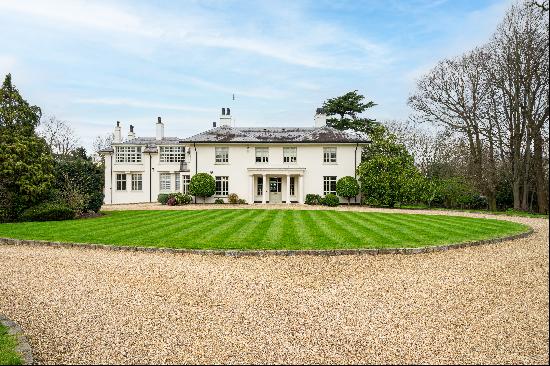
(48,212)
(219,201)
(163,198)
(331,200)
(313,199)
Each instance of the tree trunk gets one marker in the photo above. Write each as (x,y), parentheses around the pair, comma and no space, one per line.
(542,194)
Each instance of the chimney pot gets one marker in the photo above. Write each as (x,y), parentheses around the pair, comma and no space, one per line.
(223,111)
(118,123)
(214,124)
(131,128)
(159,120)
(228,111)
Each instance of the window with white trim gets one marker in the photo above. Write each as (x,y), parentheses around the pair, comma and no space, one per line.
(289,155)
(329,155)
(172,154)
(165,181)
(260,186)
(222,155)
(128,154)
(262,155)
(177,182)
(137,182)
(185,180)
(292,187)
(120,182)
(222,186)
(329,185)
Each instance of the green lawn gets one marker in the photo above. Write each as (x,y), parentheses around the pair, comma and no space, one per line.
(265,229)
(8,356)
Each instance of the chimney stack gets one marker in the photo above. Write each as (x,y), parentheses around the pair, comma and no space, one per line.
(225,118)
(160,129)
(214,124)
(131,134)
(320,118)
(118,133)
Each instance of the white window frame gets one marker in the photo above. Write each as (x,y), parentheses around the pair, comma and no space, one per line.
(185,180)
(165,182)
(223,182)
(128,154)
(262,155)
(177,182)
(172,154)
(290,155)
(329,181)
(329,155)
(121,182)
(221,155)
(137,182)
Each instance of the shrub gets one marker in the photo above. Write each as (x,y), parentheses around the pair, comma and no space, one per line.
(219,201)
(331,200)
(163,198)
(202,185)
(347,187)
(233,198)
(184,199)
(48,212)
(313,199)
(241,201)
(172,201)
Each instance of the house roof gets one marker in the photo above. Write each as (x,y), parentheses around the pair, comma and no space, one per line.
(324,134)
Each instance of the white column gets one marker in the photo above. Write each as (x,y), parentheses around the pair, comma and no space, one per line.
(288,189)
(301,189)
(251,189)
(265,187)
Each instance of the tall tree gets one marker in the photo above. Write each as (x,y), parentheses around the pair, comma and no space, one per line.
(25,159)
(59,135)
(344,112)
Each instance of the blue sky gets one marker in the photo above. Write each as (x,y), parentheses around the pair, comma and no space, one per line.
(93,63)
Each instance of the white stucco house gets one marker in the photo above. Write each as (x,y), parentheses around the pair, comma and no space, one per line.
(260,165)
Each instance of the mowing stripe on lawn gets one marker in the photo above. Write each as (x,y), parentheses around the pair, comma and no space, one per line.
(371,229)
(341,228)
(231,227)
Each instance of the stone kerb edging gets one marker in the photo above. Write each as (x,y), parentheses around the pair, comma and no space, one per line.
(23,347)
(242,253)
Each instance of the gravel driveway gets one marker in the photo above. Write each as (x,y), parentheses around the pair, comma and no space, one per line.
(486,304)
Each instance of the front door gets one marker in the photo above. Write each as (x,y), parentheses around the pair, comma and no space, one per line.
(275,190)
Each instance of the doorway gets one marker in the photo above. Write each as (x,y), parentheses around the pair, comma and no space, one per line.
(275,195)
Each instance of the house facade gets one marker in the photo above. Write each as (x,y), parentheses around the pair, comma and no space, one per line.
(260,165)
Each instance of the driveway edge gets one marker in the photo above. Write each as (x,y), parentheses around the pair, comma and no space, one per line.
(260,253)
(23,347)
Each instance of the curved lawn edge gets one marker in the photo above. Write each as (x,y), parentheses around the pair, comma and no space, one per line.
(269,252)
(23,348)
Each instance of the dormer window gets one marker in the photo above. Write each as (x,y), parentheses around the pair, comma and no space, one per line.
(128,154)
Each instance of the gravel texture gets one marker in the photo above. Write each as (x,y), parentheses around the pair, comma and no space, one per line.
(485,304)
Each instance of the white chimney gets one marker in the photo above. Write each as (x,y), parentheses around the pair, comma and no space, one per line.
(118,133)
(160,130)
(320,118)
(131,134)
(225,118)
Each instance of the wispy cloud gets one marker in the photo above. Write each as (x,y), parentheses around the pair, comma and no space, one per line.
(139,104)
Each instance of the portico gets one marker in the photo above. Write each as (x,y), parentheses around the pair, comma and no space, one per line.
(276,185)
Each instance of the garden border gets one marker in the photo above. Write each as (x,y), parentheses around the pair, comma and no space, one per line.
(261,253)
(23,347)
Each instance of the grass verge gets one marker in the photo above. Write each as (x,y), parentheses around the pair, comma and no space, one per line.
(8,355)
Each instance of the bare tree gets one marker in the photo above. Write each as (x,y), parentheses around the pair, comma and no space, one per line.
(58,135)
(101,142)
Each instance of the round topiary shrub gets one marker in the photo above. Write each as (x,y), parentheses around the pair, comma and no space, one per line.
(48,212)
(331,200)
(347,187)
(202,185)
